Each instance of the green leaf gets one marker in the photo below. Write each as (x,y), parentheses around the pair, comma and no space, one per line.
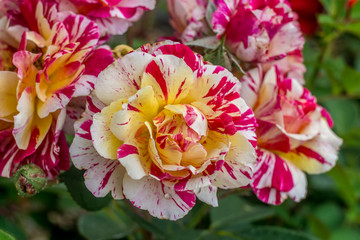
(141,221)
(326,4)
(355,11)
(353,28)
(219,56)
(351,80)
(211,42)
(330,214)
(12,228)
(326,20)
(216,56)
(5,236)
(235,211)
(334,68)
(69,139)
(105,224)
(74,182)
(318,228)
(209,12)
(138,42)
(344,186)
(346,233)
(344,112)
(352,138)
(278,233)
(236,63)
(192,234)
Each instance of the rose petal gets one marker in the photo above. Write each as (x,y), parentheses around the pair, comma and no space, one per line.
(170,78)
(105,142)
(276,179)
(122,78)
(239,164)
(208,195)
(8,85)
(317,155)
(161,201)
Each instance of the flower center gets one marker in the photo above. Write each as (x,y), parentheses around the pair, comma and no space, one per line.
(178,141)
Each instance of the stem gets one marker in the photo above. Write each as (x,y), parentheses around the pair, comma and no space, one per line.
(326,49)
(52,182)
(129,37)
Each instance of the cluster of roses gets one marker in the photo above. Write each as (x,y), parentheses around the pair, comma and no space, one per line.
(161,126)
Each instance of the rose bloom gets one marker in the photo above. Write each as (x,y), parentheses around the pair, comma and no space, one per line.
(163,128)
(187,18)
(112,16)
(55,62)
(257,31)
(351,3)
(51,153)
(291,66)
(307,11)
(261,31)
(294,135)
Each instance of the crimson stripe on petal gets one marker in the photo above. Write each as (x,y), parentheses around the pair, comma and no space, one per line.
(154,70)
(125,150)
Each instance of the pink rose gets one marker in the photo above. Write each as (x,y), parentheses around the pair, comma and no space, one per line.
(163,128)
(54,63)
(187,18)
(294,135)
(257,30)
(112,16)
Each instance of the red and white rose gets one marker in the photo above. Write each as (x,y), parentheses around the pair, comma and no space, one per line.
(53,65)
(294,135)
(112,16)
(187,18)
(255,31)
(162,128)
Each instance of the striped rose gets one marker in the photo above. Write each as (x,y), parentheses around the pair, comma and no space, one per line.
(162,128)
(294,135)
(54,63)
(112,16)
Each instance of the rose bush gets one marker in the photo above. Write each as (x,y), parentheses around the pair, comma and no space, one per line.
(294,135)
(163,128)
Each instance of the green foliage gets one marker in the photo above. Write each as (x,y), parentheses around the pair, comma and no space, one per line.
(105,224)
(350,79)
(264,233)
(74,182)
(5,236)
(225,216)
(10,228)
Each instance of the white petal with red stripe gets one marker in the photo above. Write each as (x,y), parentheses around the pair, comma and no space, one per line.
(161,201)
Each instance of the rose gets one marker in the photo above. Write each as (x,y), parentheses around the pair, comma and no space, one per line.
(351,3)
(270,32)
(294,135)
(307,11)
(55,62)
(163,128)
(187,18)
(113,17)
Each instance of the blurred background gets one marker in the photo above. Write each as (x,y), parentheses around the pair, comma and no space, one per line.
(331,210)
